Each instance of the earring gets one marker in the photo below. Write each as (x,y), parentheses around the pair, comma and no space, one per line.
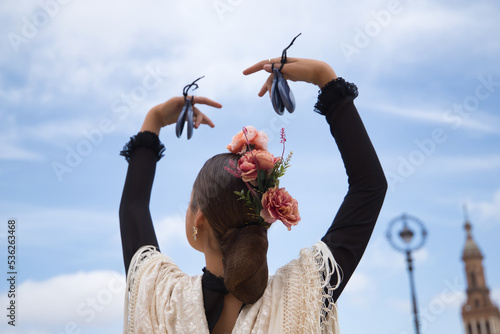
(195,233)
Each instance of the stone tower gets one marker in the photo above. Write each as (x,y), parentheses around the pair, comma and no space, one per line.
(479,314)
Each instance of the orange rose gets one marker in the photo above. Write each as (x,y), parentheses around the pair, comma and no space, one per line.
(277,204)
(256,138)
(250,164)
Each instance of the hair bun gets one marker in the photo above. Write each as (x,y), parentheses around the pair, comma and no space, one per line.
(244,247)
(245,262)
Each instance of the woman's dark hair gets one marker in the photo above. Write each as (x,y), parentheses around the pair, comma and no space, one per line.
(242,241)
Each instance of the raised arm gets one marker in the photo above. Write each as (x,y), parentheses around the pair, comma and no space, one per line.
(136,227)
(353,224)
(142,152)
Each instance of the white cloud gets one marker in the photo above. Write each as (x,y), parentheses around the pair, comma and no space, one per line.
(17,138)
(384,262)
(192,41)
(481,122)
(189,45)
(196,35)
(114,35)
(87,299)
(421,255)
(359,283)
(381,256)
(450,27)
(467,164)
(361,290)
(171,229)
(58,131)
(488,210)
(13,151)
(10,140)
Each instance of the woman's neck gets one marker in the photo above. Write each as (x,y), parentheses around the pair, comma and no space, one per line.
(213,261)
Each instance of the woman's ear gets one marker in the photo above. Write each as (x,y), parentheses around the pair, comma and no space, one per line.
(200,221)
(206,232)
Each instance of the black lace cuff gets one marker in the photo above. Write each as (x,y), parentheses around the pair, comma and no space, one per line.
(143,139)
(332,91)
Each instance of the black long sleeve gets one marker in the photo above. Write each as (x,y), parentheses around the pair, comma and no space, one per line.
(355,220)
(136,227)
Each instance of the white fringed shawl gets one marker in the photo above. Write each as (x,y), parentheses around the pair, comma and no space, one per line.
(160,298)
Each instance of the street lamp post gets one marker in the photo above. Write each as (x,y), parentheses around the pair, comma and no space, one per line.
(407,245)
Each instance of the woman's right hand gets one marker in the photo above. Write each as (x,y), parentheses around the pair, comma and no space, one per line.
(296,69)
(166,113)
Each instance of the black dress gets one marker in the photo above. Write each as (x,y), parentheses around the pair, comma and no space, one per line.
(351,228)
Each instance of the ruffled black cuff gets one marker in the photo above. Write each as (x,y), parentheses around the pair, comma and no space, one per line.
(143,139)
(332,91)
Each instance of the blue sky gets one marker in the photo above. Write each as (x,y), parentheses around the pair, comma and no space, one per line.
(77,78)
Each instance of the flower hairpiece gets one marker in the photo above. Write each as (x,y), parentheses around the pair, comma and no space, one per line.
(261,171)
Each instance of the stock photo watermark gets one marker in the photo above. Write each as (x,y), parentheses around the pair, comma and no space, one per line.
(454,117)
(11,272)
(120,109)
(450,295)
(31,25)
(225,6)
(363,36)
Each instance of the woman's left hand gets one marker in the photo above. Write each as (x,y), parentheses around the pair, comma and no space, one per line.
(166,113)
(312,71)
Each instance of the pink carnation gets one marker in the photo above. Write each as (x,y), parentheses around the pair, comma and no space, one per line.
(250,164)
(257,138)
(277,204)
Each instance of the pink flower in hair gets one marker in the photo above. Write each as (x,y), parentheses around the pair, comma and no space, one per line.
(260,171)
(277,204)
(253,161)
(258,139)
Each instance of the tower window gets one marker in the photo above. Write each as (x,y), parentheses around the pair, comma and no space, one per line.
(478,326)
(469,328)
(488,330)
(476,303)
(473,280)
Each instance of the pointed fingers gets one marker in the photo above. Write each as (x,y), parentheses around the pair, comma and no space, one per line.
(206,101)
(260,65)
(263,90)
(201,118)
(267,86)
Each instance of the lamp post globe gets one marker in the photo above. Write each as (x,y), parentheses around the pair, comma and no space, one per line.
(412,236)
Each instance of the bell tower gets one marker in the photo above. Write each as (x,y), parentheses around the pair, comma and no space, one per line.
(479,314)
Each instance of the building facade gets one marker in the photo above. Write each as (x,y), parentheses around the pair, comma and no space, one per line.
(479,314)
